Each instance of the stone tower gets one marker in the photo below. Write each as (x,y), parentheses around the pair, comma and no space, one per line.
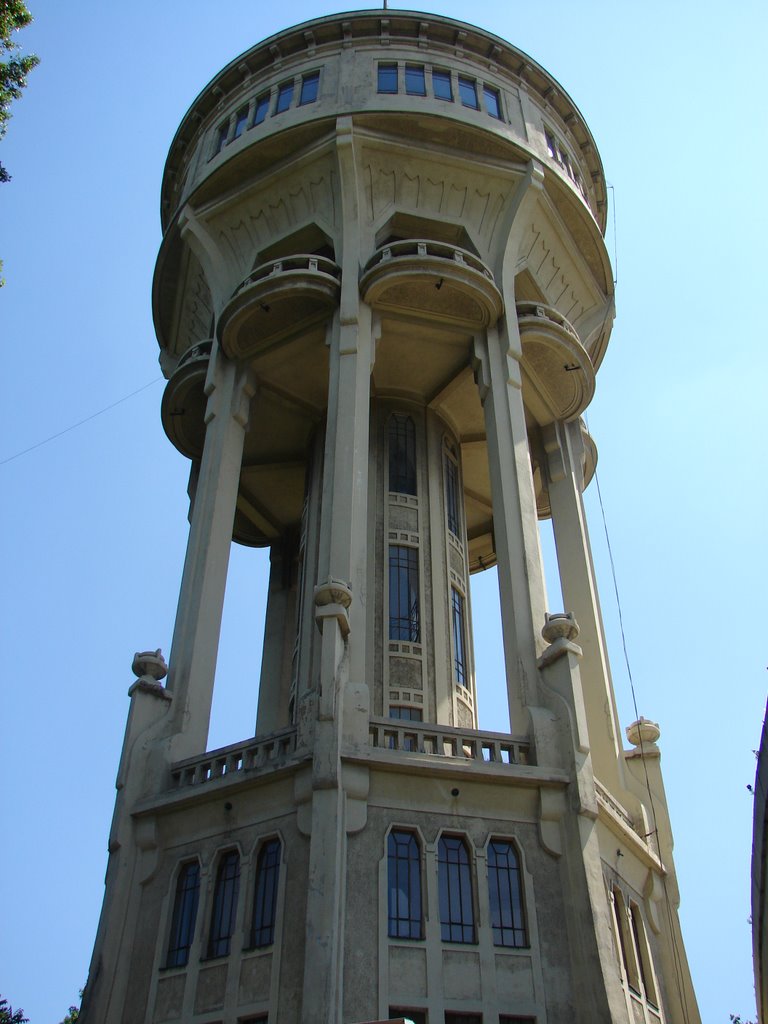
(381,300)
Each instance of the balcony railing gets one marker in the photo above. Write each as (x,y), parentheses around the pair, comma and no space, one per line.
(538,309)
(427,247)
(286,264)
(446,742)
(254,755)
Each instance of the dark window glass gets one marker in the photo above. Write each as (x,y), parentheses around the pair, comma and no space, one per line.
(184,915)
(452,495)
(262,106)
(492,101)
(463,1018)
(441,85)
(457,920)
(468,92)
(415,82)
(404,885)
(224,904)
(459,644)
(505,893)
(402,455)
(410,1016)
(265,894)
(309,88)
(404,621)
(551,145)
(221,138)
(387,81)
(284,97)
(407,715)
(240,120)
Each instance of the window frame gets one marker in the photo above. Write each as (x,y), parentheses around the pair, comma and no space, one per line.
(456,896)
(241,122)
(226,891)
(514,904)
(312,77)
(468,86)
(442,75)
(384,67)
(404,582)
(266,887)
(495,94)
(183,920)
(409,925)
(284,89)
(421,73)
(459,637)
(402,466)
(261,107)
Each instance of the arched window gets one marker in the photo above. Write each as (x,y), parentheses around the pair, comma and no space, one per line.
(404,886)
(184,915)
(457,918)
(402,454)
(265,894)
(505,894)
(224,904)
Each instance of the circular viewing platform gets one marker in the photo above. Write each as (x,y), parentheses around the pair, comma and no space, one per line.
(558,376)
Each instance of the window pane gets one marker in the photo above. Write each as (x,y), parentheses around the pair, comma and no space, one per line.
(404,622)
(457,923)
(224,904)
(506,895)
(184,915)
(387,78)
(415,82)
(221,138)
(551,145)
(452,495)
(284,97)
(240,118)
(262,106)
(468,92)
(492,101)
(459,643)
(265,894)
(309,88)
(404,886)
(402,455)
(441,85)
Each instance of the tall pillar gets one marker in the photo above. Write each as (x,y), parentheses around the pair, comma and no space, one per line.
(279,638)
(564,445)
(518,553)
(201,600)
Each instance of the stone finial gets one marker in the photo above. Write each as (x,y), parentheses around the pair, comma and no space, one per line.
(643,731)
(333,591)
(150,666)
(561,625)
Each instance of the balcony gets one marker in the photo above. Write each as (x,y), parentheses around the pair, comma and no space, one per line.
(558,376)
(434,280)
(184,400)
(443,741)
(278,300)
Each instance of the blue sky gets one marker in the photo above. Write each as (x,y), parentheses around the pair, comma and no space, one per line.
(94,523)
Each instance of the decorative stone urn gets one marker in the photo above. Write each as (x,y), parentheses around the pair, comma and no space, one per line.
(643,732)
(150,666)
(560,626)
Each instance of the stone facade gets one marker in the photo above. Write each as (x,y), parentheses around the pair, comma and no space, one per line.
(381,300)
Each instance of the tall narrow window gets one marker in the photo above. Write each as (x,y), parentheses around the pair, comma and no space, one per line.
(241,117)
(468,92)
(457,919)
(492,101)
(404,621)
(404,886)
(643,955)
(224,904)
(265,894)
(387,78)
(184,915)
(626,949)
(284,97)
(221,138)
(415,82)
(505,893)
(262,106)
(309,88)
(402,455)
(459,635)
(452,494)
(441,85)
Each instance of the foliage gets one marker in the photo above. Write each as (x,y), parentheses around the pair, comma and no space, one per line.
(736,1019)
(72,1016)
(7,1013)
(14,67)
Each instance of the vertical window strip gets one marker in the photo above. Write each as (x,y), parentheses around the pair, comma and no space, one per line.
(441,85)
(262,107)
(404,617)
(241,118)
(402,454)
(459,634)
(221,138)
(643,956)
(265,894)
(415,80)
(492,100)
(457,920)
(452,495)
(284,97)
(404,886)
(505,893)
(468,92)
(387,78)
(309,88)
(224,904)
(184,915)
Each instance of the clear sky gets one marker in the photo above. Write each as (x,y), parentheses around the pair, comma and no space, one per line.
(94,523)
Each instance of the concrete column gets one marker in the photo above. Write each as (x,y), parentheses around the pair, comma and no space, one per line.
(515,523)
(279,638)
(201,600)
(564,445)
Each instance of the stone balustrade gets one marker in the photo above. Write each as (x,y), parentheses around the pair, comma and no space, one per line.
(253,755)
(445,741)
